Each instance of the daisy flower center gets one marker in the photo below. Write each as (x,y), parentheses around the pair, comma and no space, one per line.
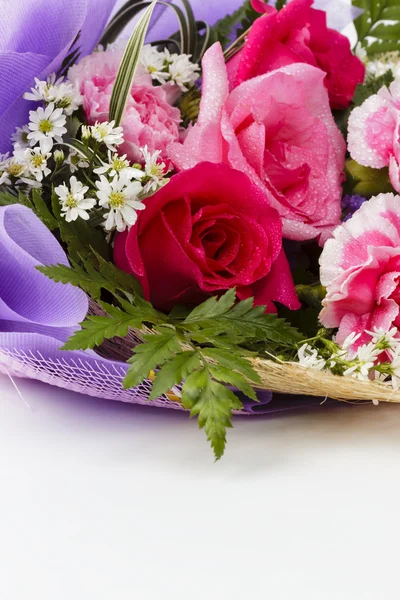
(45,126)
(116,199)
(118,164)
(15,169)
(102,131)
(37,160)
(156,171)
(70,201)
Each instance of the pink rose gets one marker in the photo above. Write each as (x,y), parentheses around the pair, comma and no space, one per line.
(298,33)
(279,130)
(374,132)
(360,268)
(149,118)
(208,230)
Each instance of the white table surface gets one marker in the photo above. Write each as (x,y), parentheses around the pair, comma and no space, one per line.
(106,500)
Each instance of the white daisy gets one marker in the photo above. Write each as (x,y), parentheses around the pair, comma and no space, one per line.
(308,357)
(107,134)
(385,340)
(36,159)
(154,171)
(182,71)
(41,91)
(73,201)
(48,123)
(120,196)
(153,63)
(14,166)
(350,340)
(20,136)
(119,165)
(76,161)
(4,162)
(66,96)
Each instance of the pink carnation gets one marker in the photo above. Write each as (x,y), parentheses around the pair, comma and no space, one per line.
(279,130)
(374,132)
(360,267)
(149,118)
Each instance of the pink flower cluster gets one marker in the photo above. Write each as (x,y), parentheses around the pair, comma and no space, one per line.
(298,34)
(374,132)
(149,118)
(279,130)
(360,268)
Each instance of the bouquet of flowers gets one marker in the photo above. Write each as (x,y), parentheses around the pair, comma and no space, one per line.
(182,220)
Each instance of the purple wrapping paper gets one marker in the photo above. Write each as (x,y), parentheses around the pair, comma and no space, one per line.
(35,36)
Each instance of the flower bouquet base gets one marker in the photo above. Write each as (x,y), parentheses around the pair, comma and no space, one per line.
(182,223)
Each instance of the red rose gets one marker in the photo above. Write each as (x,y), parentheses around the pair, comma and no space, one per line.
(298,33)
(209,229)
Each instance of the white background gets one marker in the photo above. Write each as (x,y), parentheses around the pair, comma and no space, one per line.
(101,500)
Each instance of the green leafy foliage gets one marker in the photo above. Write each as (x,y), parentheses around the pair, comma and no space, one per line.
(224,319)
(250,15)
(371,86)
(174,371)
(42,210)
(378,27)
(189,105)
(366,181)
(6,199)
(207,347)
(96,329)
(225,27)
(213,403)
(97,276)
(156,350)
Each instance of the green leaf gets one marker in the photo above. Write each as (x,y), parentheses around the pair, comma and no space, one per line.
(79,147)
(156,350)
(311,294)
(25,200)
(104,276)
(244,16)
(120,280)
(213,403)
(6,199)
(95,329)
(213,307)
(226,375)
(367,181)
(128,66)
(191,29)
(91,283)
(174,371)
(371,86)
(239,322)
(42,210)
(232,360)
(378,27)
(134,7)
